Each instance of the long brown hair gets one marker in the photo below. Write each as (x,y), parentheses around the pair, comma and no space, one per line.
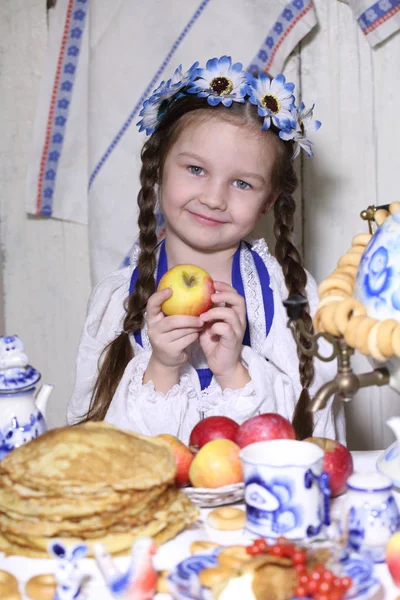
(119,352)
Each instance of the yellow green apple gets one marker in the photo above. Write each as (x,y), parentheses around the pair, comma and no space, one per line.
(183,457)
(192,288)
(216,464)
(393,557)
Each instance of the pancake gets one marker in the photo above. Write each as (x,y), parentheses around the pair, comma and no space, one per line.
(90,457)
(92,483)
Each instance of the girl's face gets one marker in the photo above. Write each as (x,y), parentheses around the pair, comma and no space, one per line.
(216,183)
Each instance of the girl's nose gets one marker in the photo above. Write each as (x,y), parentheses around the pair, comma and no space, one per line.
(215,196)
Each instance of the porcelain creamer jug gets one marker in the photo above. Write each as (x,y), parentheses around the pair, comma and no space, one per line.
(22,414)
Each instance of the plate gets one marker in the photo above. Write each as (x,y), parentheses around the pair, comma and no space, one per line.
(185,585)
(388,463)
(207,497)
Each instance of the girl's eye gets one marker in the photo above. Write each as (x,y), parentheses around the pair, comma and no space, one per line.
(195,170)
(242,185)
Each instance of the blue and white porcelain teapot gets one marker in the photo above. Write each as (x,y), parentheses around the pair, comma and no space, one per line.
(22,414)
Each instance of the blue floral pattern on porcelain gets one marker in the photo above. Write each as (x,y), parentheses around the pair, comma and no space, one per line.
(22,414)
(184,582)
(15,433)
(377,284)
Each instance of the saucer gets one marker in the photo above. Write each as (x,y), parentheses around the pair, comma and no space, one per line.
(388,463)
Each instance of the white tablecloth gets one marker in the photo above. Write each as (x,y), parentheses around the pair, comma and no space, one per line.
(177,549)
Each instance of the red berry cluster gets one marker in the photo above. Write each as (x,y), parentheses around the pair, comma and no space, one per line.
(319,583)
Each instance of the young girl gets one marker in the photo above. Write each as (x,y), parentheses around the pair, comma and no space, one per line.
(219,156)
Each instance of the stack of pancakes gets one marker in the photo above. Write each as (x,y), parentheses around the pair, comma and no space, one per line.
(91,482)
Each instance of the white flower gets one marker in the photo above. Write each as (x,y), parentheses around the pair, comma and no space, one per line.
(274,99)
(150,113)
(221,82)
(304,122)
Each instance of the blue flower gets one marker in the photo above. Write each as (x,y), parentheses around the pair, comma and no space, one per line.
(150,114)
(155,106)
(179,80)
(54,156)
(221,82)
(63,103)
(288,15)
(69,68)
(79,15)
(262,55)
(76,32)
(278,28)
(48,193)
(269,41)
(57,138)
(274,99)
(50,174)
(60,121)
(304,122)
(66,86)
(73,51)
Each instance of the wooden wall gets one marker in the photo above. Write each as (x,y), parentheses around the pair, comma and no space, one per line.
(44,266)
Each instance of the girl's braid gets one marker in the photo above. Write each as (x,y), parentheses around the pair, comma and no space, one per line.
(296,280)
(118,353)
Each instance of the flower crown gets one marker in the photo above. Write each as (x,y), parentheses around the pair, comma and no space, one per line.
(224,82)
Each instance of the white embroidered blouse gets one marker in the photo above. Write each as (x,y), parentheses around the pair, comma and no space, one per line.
(271,361)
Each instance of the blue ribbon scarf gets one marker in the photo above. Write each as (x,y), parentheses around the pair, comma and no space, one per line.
(205,375)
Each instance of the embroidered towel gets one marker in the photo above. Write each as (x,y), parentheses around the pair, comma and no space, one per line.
(377,19)
(103,59)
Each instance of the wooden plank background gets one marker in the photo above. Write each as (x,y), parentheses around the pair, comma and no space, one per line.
(44,266)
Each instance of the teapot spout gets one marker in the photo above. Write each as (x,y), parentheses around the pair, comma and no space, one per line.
(42,396)
(394,424)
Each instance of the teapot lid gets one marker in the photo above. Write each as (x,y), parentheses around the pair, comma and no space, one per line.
(15,373)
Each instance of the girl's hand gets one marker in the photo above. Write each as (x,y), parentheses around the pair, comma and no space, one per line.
(221,339)
(170,336)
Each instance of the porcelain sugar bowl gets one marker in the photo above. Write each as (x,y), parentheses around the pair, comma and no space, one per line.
(22,414)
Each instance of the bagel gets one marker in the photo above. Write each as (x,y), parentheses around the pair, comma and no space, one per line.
(162,585)
(362,239)
(8,585)
(350,334)
(213,575)
(347,309)
(380,216)
(327,318)
(227,518)
(393,207)
(373,346)
(349,269)
(336,283)
(41,587)
(349,259)
(334,292)
(356,249)
(396,340)
(199,547)
(363,331)
(233,557)
(384,337)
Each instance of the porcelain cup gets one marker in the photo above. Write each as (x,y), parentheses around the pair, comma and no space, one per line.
(286,492)
(371,515)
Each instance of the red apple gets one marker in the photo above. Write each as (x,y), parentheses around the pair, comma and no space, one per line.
(183,457)
(338,462)
(192,288)
(213,428)
(267,426)
(393,557)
